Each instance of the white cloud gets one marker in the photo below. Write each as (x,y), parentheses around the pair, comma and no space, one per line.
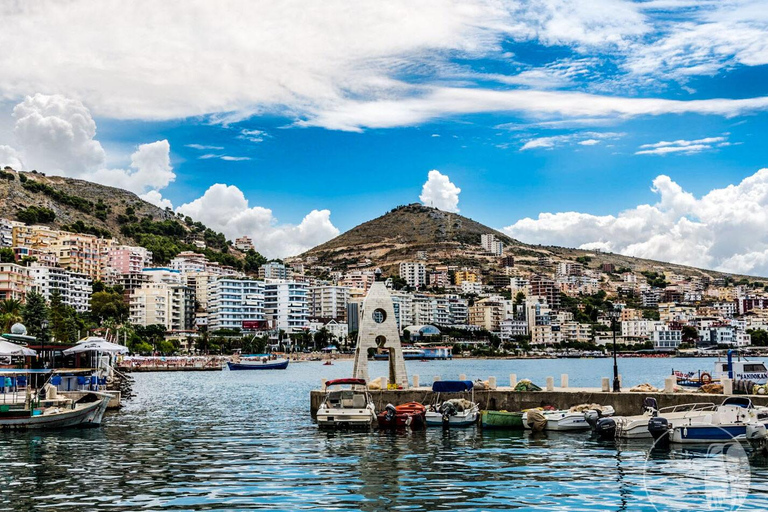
(253,135)
(227,158)
(584,139)
(157,199)
(327,66)
(726,229)
(225,208)
(438,191)
(203,147)
(681,146)
(10,157)
(55,135)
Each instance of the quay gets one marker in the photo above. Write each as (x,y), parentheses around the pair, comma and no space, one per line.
(169,368)
(506,399)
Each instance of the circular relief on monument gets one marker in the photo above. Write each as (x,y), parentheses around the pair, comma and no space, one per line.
(379,315)
(380,341)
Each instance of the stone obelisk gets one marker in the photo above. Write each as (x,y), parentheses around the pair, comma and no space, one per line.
(378,330)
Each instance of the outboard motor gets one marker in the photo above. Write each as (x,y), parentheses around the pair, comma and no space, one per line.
(659,429)
(651,405)
(591,417)
(447,409)
(756,432)
(391,411)
(605,428)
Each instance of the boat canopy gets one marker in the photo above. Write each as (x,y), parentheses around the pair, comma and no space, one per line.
(341,382)
(452,386)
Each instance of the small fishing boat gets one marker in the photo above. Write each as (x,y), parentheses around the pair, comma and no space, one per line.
(502,419)
(736,369)
(86,411)
(733,420)
(346,407)
(636,427)
(455,412)
(572,419)
(262,363)
(412,414)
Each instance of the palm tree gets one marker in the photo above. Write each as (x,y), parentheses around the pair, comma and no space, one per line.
(10,313)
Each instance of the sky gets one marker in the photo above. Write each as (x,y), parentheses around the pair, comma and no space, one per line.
(636,127)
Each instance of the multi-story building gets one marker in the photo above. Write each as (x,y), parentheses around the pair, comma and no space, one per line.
(6,231)
(575,332)
(650,298)
(438,279)
(81,253)
(546,335)
(488,313)
(199,282)
(159,303)
(402,303)
(126,259)
(286,306)
(638,328)
(546,288)
(75,289)
(415,274)
(244,243)
(235,304)
(188,262)
(491,244)
(569,268)
(464,276)
(274,270)
(666,339)
(15,281)
(359,279)
(329,302)
(511,328)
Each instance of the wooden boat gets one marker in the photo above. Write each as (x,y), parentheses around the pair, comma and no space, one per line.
(502,419)
(346,408)
(455,412)
(260,364)
(412,414)
(84,412)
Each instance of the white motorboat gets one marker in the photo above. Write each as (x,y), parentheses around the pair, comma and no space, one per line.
(733,420)
(87,411)
(636,427)
(454,412)
(573,419)
(739,368)
(346,408)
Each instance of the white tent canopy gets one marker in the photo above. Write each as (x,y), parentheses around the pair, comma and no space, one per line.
(94,344)
(11,349)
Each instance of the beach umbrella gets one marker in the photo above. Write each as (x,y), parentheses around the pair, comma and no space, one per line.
(94,344)
(11,349)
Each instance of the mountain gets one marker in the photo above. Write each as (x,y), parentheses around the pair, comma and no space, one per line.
(85,207)
(420,233)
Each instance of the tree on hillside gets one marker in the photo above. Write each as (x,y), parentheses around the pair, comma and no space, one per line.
(7,255)
(108,304)
(10,313)
(35,315)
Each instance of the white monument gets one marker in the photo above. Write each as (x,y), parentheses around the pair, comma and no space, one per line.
(378,330)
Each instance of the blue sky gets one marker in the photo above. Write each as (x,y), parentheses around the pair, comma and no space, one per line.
(619,125)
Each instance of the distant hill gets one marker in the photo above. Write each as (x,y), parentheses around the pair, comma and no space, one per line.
(415,231)
(85,207)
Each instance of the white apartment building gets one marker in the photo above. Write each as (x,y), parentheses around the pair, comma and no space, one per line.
(491,245)
(666,339)
(75,288)
(244,243)
(187,262)
(274,270)
(576,332)
(359,279)
(546,335)
(402,302)
(235,304)
(510,328)
(166,304)
(415,274)
(638,328)
(286,306)
(329,301)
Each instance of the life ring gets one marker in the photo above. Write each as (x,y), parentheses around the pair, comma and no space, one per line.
(705,378)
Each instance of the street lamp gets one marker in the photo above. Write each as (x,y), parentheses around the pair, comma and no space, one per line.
(616,384)
(43,328)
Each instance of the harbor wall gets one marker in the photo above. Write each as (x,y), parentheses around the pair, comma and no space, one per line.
(625,403)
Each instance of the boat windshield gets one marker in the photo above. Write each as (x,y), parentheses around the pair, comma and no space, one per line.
(754,367)
(345,399)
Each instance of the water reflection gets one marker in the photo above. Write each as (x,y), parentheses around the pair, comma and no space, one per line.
(226,441)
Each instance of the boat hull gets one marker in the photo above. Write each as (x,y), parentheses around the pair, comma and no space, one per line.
(691,434)
(345,418)
(502,420)
(280,365)
(83,415)
(459,420)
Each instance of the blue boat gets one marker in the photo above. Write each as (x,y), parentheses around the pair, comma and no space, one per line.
(275,364)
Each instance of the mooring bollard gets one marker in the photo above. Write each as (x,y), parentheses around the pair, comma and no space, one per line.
(512,380)
(384,383)
(621,382)
(462,376)
(550,383)
(606,384)
(727,386)
(435,378)
(564,380)
(492,382)
(415,381)
(669,384)
(322,383)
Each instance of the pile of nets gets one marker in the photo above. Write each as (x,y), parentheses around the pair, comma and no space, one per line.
(460,403)
(375,384)
(536,420)
(644,388)
(482,384)
(586,407)
(526,385)
(714,389)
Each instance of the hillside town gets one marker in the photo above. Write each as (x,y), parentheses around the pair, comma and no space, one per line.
(502,304)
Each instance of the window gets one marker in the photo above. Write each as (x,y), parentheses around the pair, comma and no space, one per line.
(379,315)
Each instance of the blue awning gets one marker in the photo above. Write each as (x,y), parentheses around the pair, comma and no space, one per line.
(451,386)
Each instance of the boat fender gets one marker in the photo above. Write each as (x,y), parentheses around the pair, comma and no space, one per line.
(659,428)
(705,378)
(536,420)
(605,428)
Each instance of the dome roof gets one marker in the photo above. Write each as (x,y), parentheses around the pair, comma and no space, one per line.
(19,329)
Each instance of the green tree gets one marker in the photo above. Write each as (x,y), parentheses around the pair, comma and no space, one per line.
(59,316)
(108,304)
(10,313)
(759,337)
(7,255)
(690,334)
(35,315)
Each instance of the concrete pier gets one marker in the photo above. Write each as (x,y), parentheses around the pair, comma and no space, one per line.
(625,403)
